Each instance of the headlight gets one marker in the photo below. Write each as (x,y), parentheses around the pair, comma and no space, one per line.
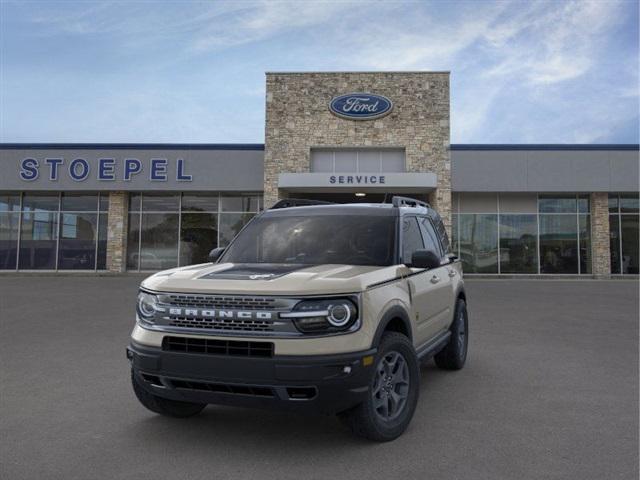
(323,316)
(146,306)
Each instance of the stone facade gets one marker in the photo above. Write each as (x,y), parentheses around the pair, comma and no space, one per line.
(600,248)
(117,231)
(298,119)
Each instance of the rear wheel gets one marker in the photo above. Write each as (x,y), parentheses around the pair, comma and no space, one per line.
(454,355)
(393,392)
(164,406)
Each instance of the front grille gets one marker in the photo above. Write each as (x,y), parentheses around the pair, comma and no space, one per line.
(217,347)
(221,302)
(253,390)
(226,324)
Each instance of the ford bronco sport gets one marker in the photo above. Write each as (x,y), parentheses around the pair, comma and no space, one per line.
(312,307)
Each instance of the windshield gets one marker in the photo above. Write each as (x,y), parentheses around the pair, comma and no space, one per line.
(316,239)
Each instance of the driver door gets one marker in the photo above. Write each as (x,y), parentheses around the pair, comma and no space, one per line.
(430,289)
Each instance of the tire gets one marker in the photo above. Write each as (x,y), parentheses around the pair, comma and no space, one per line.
(454,355)
(368,419)
(164,406)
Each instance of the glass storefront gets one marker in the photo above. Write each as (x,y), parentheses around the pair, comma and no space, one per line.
(623,233)
(53,231)
(522,233)
(171,229)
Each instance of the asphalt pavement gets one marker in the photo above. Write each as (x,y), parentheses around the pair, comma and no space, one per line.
(550,390)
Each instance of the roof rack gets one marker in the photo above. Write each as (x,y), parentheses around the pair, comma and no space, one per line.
(298,202)
(408,202)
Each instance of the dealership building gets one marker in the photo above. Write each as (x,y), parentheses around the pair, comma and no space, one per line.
(334,136)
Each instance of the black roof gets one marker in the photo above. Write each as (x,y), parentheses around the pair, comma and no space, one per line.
(260,146)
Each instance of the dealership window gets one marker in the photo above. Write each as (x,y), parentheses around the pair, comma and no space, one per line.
(623,233)
(168,230)
(53,231)
(522,233)
(354,160)
(565,244)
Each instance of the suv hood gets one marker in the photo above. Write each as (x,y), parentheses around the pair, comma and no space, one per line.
(274,279)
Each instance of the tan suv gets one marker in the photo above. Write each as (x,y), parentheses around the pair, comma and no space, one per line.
(312,307)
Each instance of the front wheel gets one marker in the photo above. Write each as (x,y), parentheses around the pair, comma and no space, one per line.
(393,392)
(454,355)
(164,406)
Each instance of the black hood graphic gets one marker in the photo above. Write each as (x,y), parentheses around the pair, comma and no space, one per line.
(255,271)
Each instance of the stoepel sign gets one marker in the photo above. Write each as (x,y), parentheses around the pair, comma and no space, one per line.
(106,169)
(360,106)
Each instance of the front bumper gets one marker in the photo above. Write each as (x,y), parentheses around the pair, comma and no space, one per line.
(325,384)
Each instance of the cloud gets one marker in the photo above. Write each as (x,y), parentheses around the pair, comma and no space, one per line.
(521,71)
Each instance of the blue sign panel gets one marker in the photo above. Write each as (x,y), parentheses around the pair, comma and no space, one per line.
(360,106)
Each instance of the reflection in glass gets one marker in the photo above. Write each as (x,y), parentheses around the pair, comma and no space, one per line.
(478,237)
(557,204)
(630,245)
(585,243)
(629,203)
(239,203)
(77,248)
(159,241)
(104,202)
(198,236)
(454,234)
(614,242)
(40,201)
(583,204)
(518,244)
(135,202)
(38,240)
(200,202)
(79,202)
(133,242)
(160,202)
(231,224)
(102,242)
(9,202)
(8,240)
(613,203)
(558,244)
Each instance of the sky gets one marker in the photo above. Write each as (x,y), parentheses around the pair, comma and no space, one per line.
(193,72)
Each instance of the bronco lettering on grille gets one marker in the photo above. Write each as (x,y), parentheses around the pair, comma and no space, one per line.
(202,313)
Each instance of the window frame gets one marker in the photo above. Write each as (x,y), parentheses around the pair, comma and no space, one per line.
(401,231)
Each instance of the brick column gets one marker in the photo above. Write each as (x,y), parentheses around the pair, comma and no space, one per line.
(600,251)
(117,231)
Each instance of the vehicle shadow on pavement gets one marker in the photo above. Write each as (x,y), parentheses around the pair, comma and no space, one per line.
(268,429)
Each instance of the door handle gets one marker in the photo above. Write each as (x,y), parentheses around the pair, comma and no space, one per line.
(435,279)
(452,273)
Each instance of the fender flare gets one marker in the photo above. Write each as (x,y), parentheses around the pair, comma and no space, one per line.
(394,312)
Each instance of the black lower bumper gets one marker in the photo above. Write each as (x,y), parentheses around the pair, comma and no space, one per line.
(321,383)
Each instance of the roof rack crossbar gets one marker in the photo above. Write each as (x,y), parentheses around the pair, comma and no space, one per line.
(397,202)
(298,202)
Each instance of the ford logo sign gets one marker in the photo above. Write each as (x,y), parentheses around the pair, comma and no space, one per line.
(360,106)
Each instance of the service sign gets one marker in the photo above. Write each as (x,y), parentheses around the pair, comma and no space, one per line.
(360,106)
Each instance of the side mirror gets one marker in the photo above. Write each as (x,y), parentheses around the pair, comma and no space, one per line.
(424,259)
(215,254)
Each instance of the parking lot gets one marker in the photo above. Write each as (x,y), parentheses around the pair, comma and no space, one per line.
(550,390)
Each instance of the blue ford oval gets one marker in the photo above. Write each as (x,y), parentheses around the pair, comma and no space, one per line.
(360,106)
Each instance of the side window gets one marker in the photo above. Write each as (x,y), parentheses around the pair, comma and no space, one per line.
(442,233)
(430,237)
(411,238)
